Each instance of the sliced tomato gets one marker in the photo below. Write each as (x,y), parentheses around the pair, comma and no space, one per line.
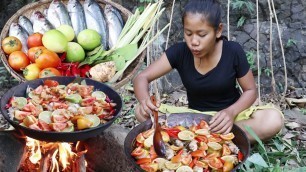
(143,161)
(34,127)
(152,153)
(198,153)
(58,126)
(43,125)
(20,115)
(201,164)
(186,159)
(225,150)
(240,156)
(149,167)
(203,146)
(203,124)
(51,83)
(140,138)
(85,90)
(138,151)
(215,163)
(172,132)
(200,138)
(227,137)
(148,133)
(89,101)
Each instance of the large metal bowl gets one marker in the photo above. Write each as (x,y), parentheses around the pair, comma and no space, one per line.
(184,119)
(20,90)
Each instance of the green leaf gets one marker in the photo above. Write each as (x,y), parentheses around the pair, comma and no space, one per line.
(258,160)
(119,61)
(241,21)
(128,52)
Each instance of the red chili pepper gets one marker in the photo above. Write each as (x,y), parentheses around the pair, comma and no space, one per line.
(84,70)
(240,156)
(67,72)
(9,104)
(74,70)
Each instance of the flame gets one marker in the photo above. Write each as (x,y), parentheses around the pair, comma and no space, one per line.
(62,158)
(33,145)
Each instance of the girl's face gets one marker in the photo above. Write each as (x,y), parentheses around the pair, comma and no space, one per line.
(199,35)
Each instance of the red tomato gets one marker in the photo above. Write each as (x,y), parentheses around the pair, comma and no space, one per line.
(18,60)
(35,40)
(11,44)
(143,161)
(58,126)
(203,124)
(215,163)
(34,52)
(149,167)
(198,153)
(201,138)
(240,156)
(47,59)
(228,136)
(138,152)
(173,132)
(140,138)
(48,72)
(51,83)
(225,150)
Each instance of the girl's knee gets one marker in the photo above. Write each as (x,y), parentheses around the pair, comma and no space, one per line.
(275,119)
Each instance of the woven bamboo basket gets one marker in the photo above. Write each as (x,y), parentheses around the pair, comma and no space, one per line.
(27,11)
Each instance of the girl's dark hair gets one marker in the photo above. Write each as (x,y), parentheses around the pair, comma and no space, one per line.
(210,9)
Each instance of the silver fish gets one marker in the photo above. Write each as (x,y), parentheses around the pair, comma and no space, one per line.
(17,31)
(40,23)
(114,24)
(58,14)
(77,16)
(118,14)
(26,24)
(95,20)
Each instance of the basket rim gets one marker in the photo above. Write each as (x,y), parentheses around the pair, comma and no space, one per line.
(33,5)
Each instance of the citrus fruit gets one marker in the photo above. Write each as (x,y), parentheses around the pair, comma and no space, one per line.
(94,119)
(184,168)
(67,31)
(74,98)
(19,102)
(203,132)
(149,141)
(75,53)
(99,95)
(172,166)
(45,116)
(89,39)
(214,145)
(186,135)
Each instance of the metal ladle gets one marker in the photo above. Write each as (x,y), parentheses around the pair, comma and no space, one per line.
(158,143)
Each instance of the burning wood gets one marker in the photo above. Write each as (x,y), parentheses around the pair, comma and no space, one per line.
(52,157)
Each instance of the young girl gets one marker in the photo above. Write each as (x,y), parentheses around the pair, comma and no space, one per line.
(209,66)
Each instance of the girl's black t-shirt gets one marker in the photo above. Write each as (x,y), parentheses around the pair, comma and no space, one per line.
(215,90)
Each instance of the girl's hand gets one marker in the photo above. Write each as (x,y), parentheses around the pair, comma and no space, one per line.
(145,108)
(222,122)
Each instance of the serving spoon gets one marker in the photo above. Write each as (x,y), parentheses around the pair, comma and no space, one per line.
(158,143)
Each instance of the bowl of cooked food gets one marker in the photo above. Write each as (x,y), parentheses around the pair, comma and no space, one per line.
(65,109)
(190,145)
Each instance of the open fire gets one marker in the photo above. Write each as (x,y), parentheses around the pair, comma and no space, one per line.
(43,156)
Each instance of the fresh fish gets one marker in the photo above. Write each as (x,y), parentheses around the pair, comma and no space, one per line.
(26,24)
(113,23)
(17,31)
(77,16)
(58,14)
(95,20)
(118,14)
(40,23)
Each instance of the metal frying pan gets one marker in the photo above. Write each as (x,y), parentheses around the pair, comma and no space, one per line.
(184,119)
(53,136)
